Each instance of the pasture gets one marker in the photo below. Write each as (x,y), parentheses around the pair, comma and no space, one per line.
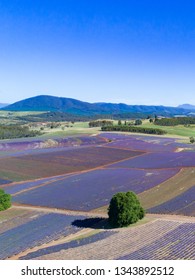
(60,180)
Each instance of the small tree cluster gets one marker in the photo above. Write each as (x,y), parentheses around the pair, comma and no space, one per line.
(124,209)
(136,129)
(5,200)
(138,122)
(192,140)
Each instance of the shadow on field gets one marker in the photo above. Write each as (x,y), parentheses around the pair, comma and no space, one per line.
(95,223)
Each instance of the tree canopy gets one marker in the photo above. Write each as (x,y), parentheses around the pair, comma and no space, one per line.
(5,200)
(124,209)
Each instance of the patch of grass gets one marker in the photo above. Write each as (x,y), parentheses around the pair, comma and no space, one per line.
(179,130)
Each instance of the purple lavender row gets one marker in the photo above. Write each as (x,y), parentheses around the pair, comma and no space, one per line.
(145,143)
(17,187)
(34,143)
(173,245)
(36,232)
(178,204)
(159,160)
(3,181)
(68,245)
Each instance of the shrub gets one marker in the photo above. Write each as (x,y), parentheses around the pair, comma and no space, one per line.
(5,200)
(192,140)
(124,209)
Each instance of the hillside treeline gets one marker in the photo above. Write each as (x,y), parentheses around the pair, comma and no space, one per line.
(175,121)
(100,123)
(136,129)
(16,131)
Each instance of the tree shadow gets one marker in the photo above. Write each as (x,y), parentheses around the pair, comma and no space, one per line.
(95,223)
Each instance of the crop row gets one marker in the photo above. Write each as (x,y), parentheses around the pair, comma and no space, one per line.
(21,218)
(3,181)
(159,160)
(72,244)
(40,230)
(144,143)
(125,242)
(18,187)
(15,145)
(181,204)
(177,244)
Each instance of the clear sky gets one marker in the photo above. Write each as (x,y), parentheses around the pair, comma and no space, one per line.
(120,51)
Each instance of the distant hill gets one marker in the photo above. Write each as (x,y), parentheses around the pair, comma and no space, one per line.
(187,106)
(80,108)
(3,105)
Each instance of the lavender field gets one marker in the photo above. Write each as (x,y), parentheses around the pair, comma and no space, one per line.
(176,244)
(159,160)
(181,204)
(81,174)
(38,230)
(90,190)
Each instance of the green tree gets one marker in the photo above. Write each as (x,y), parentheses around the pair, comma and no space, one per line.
(192,140)
(5,200)
(138,122)
(119,122)
(124,209)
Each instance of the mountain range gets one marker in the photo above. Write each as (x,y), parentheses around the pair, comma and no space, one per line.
(3,105)
(80,108)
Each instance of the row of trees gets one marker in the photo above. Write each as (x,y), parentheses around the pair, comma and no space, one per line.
(16,131)
(136,129)
(175,121)
(100,123)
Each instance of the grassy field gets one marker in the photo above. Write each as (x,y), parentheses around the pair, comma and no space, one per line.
(68,128)
(178,130)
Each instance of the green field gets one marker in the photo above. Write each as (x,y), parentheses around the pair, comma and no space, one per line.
(68,128)
(179,130)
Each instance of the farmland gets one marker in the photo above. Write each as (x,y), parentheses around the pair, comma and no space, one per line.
(57,180)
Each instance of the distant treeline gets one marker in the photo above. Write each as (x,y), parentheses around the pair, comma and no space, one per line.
(137,129)
(62,116)
(100,123)
(53,117)
(16,131)
(175,121)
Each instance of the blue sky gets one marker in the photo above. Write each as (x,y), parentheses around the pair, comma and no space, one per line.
(134,52)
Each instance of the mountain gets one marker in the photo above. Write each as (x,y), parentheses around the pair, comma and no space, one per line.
(80,108)
(3,105)
(187,106)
